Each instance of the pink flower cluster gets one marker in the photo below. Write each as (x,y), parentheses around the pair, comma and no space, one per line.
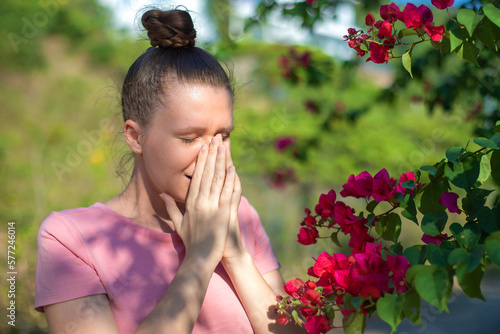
(365,272)
(418,18)
(292,61)
(381,187)
(310,300)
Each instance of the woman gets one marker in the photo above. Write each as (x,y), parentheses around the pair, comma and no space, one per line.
(179,250)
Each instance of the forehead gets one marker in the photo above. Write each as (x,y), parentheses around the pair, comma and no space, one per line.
(189,106)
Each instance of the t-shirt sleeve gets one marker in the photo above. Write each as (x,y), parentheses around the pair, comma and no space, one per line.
(63,271)
(264,258)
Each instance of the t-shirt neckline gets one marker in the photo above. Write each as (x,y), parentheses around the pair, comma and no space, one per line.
(129,223)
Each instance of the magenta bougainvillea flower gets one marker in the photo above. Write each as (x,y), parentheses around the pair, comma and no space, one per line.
(416,17)
(436,32)
(385,30)
(369,19)
(437,240)
(398,265)
(379,54)
(391,13)
(442,4)
(325,205)
(282,143)
(449,200)
(308,235)
(358,186)
(317,324)
(383,186)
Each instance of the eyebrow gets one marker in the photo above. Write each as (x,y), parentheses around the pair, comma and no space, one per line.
(198,129)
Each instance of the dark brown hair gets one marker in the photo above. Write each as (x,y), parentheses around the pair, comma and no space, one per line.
(173,58)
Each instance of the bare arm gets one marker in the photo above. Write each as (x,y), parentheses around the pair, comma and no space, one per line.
(90,314)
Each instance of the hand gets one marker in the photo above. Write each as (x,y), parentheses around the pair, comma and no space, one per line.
(234,246)
(204,226)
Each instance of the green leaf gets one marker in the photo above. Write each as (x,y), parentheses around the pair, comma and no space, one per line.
(463,174)
(371,206)
(485,169)
(457,37)
(495,167)
(485,142)
(416,254)
(298,317)
(356,302)
(469,51)
(453,153)
(487,220)
(380,225)
(476,257)
(430,169)
(412,272)
(458,233)
(492,246)
(370,218)
(433,224)
(471,282)
(497,126)
(335,238)
(432,285)
(389,309)
(396,249)
(458,255)
(472,235)
(493,13)
(445,45)
(354,323)
(469,19)
(496,139)
(406,32)
(410,210)
(488,33)
(474,202)
(411,306)
(438,255)
(406,59)
(393,229)
(430,197)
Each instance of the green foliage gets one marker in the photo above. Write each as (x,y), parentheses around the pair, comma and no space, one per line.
(390,309)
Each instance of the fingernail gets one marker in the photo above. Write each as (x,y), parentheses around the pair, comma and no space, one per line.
(214,141)
(231,170)
(204,148)
(221,149)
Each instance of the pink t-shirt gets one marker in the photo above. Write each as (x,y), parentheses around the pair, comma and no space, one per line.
(86,251)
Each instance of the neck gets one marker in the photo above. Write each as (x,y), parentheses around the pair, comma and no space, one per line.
(141,202)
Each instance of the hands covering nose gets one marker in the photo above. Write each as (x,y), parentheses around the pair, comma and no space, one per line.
(209,227)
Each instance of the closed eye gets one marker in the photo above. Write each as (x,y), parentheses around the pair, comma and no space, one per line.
(188,140)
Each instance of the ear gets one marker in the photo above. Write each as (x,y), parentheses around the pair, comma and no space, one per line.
(132,132)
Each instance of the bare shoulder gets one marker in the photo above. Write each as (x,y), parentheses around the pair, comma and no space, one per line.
(90,314)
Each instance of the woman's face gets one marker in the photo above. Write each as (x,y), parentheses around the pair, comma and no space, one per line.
(193,115)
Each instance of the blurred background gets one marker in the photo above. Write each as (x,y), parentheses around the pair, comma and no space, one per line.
(308,113)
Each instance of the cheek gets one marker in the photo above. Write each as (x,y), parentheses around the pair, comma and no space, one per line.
(186,155)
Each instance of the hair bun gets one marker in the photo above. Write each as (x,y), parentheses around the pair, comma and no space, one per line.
(169,29)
